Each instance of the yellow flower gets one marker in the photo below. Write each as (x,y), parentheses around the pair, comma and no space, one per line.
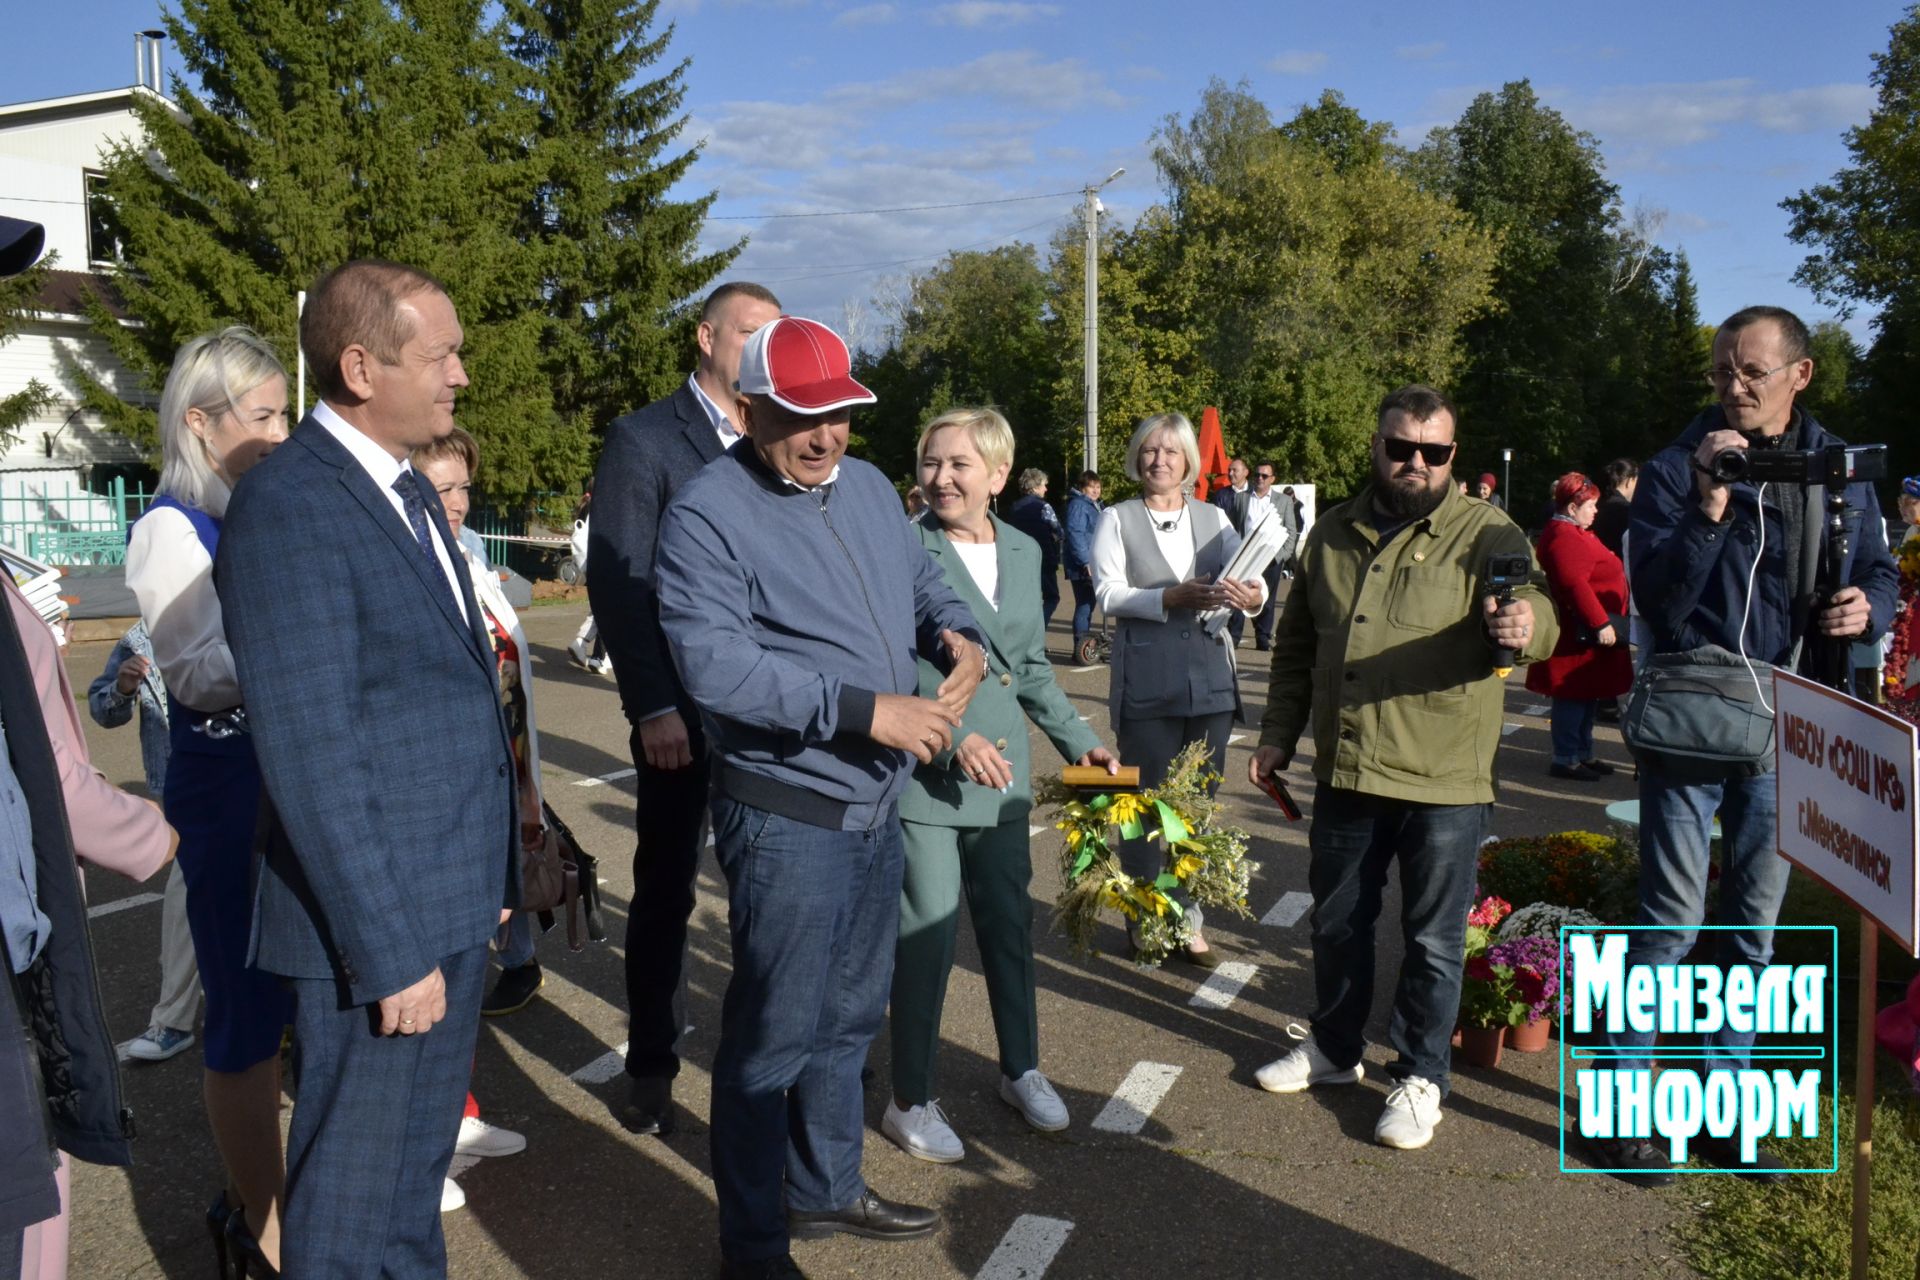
(1187,866)
(1126,806)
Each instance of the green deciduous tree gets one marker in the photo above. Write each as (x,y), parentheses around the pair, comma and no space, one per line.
(333,129)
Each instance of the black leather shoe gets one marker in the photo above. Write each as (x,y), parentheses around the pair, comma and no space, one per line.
(871,1216)
(1633,1161)
(780,1268)
(1573,772)
(1724,1153)
(1600,767)
(649,1106)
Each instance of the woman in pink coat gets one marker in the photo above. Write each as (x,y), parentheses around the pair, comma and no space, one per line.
(1590,663)
(108,828)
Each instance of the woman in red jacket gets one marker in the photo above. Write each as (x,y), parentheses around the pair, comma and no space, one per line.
(1590,663)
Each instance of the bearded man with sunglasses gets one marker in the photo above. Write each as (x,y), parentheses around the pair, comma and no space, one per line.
(1387,644)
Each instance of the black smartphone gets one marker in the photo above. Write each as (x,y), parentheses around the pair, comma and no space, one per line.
(1271,784)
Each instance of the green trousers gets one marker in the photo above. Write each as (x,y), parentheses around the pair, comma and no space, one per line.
(994,866)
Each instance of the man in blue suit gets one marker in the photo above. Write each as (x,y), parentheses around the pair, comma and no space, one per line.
(373,700)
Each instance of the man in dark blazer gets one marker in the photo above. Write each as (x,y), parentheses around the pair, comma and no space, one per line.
(1233,499)
(374,703)
(647,456)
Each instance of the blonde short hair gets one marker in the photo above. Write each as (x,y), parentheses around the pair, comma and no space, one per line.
(211,373)
(992,437)
(1182,430)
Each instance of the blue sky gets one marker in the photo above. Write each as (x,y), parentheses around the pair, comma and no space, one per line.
(1707,116)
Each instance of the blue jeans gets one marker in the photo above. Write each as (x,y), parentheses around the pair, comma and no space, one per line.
(1082,607)
(814,914)
(1571,724)
(1676,828)
(1353,839)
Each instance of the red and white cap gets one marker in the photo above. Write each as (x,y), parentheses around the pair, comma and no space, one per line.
(800,365)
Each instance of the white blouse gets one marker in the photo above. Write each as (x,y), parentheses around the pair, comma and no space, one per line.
(983,562)
(171,575)
(1111,587)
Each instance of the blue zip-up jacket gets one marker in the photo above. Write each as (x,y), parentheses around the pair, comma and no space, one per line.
(787,611)
(1690,574)
(1083,514)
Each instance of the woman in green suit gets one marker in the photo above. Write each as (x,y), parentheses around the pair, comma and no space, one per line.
(965,814)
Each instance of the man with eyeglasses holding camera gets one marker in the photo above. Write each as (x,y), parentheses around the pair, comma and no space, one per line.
(1389,642)
(1693,540)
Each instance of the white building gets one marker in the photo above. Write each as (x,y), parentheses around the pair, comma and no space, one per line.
(50,161)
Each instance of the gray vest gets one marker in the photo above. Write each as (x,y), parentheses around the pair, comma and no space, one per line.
(1172,667)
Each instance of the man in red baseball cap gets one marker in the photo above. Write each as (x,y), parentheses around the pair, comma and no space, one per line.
(796,602)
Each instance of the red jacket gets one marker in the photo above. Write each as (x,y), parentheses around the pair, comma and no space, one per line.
(1589,588)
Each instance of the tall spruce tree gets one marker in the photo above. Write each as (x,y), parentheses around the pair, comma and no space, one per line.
(618,257)
(334,129)
(16,302)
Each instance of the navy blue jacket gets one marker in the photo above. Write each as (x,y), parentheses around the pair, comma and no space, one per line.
(1690,574)
(1032,516)
(375,712)
(788,610)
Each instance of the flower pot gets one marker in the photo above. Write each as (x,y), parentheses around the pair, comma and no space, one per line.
(1481,1045)
(1530,1037)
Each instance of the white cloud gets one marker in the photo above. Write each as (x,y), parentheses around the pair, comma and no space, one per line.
(1420,52)
(866,15)
(1015,76)
(1678,115)
(771,135)
(1298,62)
(980,13)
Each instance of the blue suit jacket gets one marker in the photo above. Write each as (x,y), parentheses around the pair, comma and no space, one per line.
(375,713)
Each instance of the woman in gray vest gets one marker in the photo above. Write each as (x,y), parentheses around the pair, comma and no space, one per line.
(1157,562)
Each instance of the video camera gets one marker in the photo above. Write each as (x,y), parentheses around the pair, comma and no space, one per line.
(1505,571)
(1835,466)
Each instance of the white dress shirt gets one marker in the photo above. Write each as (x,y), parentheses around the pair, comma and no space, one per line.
(1259,506)
(1118,598)
(384,469)
(721,420)
(171,575)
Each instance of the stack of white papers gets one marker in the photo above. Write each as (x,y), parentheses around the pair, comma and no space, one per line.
(1263,545)
(40,584)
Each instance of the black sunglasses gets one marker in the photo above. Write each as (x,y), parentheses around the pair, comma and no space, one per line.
(1399,450)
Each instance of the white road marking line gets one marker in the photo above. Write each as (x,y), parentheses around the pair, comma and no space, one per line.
(1509,729)
(1223,986)
(1537,709)
(1235,738)
(121,904)
(1086,717)
(603,1068)
(1083,670)
(1287,912)
(1133,1102)
(605,778)
(709,839)
(1034,831)
(1027,1249)
(461,1164)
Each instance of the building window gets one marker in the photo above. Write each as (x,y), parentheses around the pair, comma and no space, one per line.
(105,246)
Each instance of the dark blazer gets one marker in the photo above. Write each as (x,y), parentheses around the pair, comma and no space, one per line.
(375,711)
(647,456)
(1234,502)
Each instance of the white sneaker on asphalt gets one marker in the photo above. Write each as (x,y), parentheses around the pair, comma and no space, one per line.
(1411,1112)
(478,1138)
(451,1196)
(1033,1097)
(578,652)
(922,1132)
(1305,1066)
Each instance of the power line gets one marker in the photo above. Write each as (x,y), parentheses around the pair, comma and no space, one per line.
(905,208)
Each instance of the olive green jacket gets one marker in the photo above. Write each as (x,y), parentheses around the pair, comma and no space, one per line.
(1386,650)
(1019,685)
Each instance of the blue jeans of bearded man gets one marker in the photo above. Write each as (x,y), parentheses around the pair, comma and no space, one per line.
(1353,841)
(1676,830)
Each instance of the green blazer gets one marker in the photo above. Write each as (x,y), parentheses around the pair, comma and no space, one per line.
(1019,685)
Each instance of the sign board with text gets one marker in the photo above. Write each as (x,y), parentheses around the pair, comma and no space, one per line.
(1845,773)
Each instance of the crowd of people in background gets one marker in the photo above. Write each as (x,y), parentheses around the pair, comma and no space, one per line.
(842,699)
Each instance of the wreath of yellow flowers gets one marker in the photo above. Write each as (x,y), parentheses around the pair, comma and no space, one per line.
(1205,862)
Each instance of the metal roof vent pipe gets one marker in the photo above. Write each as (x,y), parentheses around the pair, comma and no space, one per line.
(146,60)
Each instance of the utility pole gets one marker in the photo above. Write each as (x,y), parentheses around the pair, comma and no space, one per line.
(1090,211)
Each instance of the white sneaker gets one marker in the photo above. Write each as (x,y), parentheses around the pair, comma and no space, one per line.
(1411,1112)
(600,666)
(922,1132)
(1305,1066)
(478,1138)
(1033,1097)
(578,652)
(451,1196)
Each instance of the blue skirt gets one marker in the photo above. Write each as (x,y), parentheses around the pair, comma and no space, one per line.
(213,801)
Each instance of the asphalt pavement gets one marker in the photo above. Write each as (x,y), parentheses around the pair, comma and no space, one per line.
(1175,1163)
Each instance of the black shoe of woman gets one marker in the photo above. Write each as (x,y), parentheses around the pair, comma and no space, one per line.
(248,1262)
(217,1216)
